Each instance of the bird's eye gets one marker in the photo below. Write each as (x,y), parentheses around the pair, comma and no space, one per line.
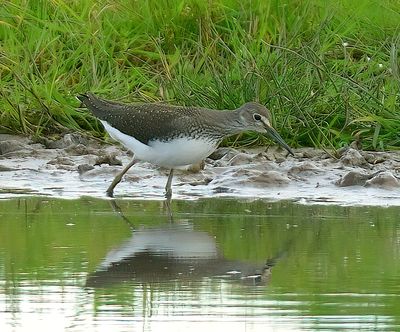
(257,117)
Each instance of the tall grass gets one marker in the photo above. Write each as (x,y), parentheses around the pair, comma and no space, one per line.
(328,70)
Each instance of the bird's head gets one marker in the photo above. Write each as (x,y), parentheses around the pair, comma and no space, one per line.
(256,117)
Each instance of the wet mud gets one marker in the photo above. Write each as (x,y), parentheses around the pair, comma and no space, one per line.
(74,166)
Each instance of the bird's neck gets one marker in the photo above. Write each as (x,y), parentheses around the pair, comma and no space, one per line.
(228,122)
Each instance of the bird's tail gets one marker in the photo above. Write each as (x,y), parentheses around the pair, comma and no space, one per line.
(84,97)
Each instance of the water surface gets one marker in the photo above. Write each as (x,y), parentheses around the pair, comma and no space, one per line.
(88,265)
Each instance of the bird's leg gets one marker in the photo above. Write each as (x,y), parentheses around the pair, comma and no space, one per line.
(117,179)
(168,194)
(118,211)
(167,205)
(168,190)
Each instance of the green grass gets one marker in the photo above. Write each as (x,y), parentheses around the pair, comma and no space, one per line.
(328,70)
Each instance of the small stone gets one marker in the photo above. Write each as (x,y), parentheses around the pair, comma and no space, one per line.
(241,159)
(109,159)
(83,168)
(10,146)
(61,161)
(222,190)
(195,168)
(269,178)
(374,158)
(66,141)
(6,169)
(340,152)
(78,150)
(222,152)
(305,167)
(356,144)
(384,180)
(311,153)
(353,157)
(354,179)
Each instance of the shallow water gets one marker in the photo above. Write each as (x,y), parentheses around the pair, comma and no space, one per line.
(84,264)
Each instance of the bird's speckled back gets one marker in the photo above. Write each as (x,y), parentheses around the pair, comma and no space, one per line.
(156,121)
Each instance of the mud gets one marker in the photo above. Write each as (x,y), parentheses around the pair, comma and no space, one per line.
(74,166)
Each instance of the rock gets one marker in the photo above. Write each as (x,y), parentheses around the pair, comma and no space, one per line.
(311,153)
(11,146)
(304,168)
(376,158)
(18,138)
(78,150)
(226,160)
(353,157)
(266,166)
(201,180)
(341,151)
(6,169)
(61,161)
(109,159)
(356,144)
(66,141)
(83,168)
(269,178)
(275,153)
(279,159)
(241,159)
(195,168)
(251,177)
(222,190)
(222,152)
(383,180)
(354,179)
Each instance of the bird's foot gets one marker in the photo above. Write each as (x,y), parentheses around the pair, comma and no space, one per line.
(167,206)
(168,193)
(110,192)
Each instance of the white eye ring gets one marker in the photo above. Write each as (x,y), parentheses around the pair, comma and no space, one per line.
(257,117)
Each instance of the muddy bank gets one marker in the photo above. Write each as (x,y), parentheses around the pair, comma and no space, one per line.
(74,166)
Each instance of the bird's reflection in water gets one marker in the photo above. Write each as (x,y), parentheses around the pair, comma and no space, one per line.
(174,252)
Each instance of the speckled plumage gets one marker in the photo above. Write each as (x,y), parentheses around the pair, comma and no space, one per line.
(154,121)
(173,136)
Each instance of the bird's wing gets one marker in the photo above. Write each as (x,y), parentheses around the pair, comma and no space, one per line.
(145,122)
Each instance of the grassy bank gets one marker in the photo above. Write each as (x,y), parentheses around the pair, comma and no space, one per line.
(328,71)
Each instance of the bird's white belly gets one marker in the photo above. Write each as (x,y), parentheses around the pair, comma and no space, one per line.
(179,152)
(176,152)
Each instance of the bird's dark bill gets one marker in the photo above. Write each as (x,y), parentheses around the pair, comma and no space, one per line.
(278,139)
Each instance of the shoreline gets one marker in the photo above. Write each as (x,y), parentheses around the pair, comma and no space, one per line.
(75,166)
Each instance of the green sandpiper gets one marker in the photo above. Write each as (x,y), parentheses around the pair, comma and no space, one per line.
(174,136)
